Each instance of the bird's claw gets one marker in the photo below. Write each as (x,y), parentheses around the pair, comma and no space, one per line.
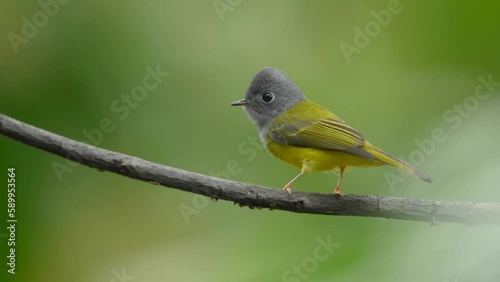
(288,188)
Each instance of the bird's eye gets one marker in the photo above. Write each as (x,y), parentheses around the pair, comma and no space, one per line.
(267,97)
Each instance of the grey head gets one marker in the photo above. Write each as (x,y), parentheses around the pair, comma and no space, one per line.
(270,93)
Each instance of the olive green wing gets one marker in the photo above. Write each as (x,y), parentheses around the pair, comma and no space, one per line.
(326,134)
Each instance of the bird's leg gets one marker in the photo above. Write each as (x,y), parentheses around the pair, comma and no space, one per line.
(288,186)
(337,189)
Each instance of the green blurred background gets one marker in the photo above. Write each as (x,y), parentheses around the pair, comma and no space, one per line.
(98,226)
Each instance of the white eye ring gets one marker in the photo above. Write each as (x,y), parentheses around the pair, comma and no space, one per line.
(267,97)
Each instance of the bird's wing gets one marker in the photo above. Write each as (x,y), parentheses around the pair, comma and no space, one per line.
(326,134)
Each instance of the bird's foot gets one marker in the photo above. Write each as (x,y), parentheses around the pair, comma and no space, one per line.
(337,192)
(288,188)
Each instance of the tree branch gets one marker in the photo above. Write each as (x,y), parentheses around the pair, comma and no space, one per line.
(251,195)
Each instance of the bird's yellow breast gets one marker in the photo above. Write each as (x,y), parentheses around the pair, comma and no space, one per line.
(315,159)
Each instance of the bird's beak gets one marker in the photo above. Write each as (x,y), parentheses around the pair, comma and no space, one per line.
(241,102)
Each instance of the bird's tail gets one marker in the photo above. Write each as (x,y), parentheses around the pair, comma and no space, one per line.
(390,160)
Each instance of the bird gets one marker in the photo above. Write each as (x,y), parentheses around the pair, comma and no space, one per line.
(306,135)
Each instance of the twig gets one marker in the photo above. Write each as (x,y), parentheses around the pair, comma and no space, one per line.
(251,195)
